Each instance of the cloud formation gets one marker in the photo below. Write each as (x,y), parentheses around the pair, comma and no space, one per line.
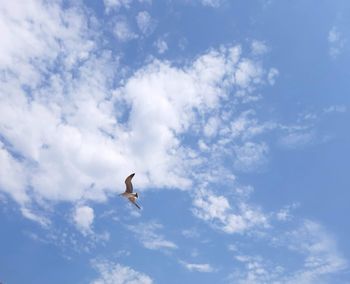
(83,218)
(161,45)
(78,142)
(211,3)
(145,22)
(123,31)
(150,238)
(75,122)
(115,273)
(217,210)
(116,4)
(309,245)
(198,267)
(336,42)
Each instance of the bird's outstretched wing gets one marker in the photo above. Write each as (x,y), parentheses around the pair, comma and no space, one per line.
(128,183)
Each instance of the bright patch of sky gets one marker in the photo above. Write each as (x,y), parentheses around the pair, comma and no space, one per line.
(233,115)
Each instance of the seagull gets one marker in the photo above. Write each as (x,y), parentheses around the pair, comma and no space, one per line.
(128,191)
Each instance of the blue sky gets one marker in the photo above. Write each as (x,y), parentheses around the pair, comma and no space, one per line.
(233,115)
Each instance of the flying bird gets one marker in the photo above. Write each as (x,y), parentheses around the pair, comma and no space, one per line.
(128,191)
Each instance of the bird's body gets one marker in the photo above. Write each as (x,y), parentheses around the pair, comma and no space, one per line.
(129,191)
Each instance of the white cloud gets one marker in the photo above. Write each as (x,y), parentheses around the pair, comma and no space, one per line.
(116,4)
(182,43)
(314,251)
(255,270)
(248,72)
(79,142)
(177,94)
(305,132)
(69,241)
(321,255)
(217,210)
(211,207)
(35,217)
(211,3)
(83,218)
(161,46)
(250,156)
(297,139)
(336,42)
(335,108)
(246,126)
(272,75)
(333,35)
(115,273)
(320,248)
(284,214)
(150,238)
(211,127)
(123,31)
(190,233)
(145,22)
(13,177)
(259,47)
(198,267)
(34,33)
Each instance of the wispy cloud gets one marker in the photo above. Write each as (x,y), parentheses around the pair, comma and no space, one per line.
(190,233)
(115,273)
(116,4)
(284,214)
(123,31)
(198,267)
(211,3)
(314,251)
(259,47)
(336,42)
(39,218)
(148,235)
(68,241)
(255,270)
(145,22)
(161,45)
(335,108)
(319,248)
(272,75)
(250,156)
(297,138)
